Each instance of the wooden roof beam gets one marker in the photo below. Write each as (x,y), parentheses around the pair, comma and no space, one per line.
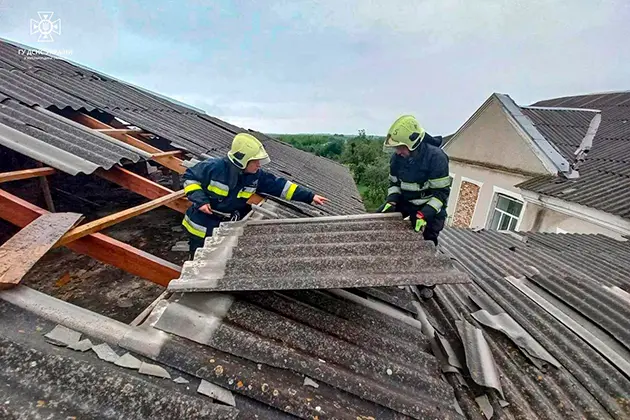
(98,246)
(25,174)
(168,161)
(112,219)
(143,186)
(118,130)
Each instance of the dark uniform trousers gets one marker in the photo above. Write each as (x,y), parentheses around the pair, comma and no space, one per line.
(431,230)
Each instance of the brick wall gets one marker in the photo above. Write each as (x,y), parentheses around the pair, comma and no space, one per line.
(466,202)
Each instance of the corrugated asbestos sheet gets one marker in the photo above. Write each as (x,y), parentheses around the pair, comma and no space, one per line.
(273,355)
(61,84)
(540,333)
(316,253)
(604,181)
(59,143)
(559,332)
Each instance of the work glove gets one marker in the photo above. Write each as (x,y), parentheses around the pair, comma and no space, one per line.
(418,222)
(388,207)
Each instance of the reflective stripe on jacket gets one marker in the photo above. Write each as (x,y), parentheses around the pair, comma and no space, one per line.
(422,179)
(226,188)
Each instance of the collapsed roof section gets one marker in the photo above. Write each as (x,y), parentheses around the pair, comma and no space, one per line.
(30,87)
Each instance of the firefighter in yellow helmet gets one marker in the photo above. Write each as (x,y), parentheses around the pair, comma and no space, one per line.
(419,181)
(225,185)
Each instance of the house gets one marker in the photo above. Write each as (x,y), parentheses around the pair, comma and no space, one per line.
(560,165)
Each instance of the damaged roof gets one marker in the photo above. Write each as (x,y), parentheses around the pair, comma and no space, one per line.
(315,253)
(308,354)
(538,333)
(604,181)
(554,312)
(32,84)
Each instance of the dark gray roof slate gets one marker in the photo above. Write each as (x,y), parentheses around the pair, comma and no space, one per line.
(372,352)
(317,255)
(604,181)
(566,272)
(59,143)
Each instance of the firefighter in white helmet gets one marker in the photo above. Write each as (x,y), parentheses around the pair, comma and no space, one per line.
(225,185)
(419,180)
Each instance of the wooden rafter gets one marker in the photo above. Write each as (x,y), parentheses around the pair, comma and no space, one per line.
(112,219)
(20,253)
(101,247)
(25,174)
(168,161)
(170,153)
(118,130)
(143,186)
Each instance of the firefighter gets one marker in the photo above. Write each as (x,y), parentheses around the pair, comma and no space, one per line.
(225,185)
(419,181)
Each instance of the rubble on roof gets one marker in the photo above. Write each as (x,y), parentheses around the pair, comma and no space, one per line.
(320,254)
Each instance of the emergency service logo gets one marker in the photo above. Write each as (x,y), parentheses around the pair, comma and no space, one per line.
(45,27)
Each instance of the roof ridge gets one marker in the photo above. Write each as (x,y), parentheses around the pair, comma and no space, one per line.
(612,92)
(559,108)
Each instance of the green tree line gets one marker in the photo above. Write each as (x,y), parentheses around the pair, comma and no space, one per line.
(362,154)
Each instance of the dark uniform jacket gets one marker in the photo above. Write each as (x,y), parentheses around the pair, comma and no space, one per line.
(226,188)
(421,181)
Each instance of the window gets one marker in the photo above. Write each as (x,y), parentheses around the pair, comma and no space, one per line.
(506,213)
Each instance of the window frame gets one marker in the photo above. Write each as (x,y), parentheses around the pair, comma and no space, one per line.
(497,192)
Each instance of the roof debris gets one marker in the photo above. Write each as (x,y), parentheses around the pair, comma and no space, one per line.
(104,352)
(154,370)
(213,391)
(63,336)
(83,345)
(128,361)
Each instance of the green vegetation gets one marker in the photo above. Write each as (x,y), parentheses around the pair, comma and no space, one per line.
(362,154)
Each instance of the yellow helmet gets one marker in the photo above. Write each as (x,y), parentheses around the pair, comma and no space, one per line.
(405,131)
(246,147)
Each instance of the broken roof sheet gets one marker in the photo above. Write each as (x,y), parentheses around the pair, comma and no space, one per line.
(604,181)
(315,253)
(309,354)
(60,143)
(62,84)
(552,286)
(349,354)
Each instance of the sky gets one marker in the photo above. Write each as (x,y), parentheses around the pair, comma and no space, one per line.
(338,66)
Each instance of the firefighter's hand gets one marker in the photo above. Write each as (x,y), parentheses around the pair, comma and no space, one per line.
(418,222)
(389,207)
(206,209)
(420,225)
(319,200)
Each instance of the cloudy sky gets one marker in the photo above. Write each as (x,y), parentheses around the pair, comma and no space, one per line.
(343,65)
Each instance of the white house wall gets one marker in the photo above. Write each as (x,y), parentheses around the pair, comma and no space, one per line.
(490,179)
(551,221)
(491,138)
